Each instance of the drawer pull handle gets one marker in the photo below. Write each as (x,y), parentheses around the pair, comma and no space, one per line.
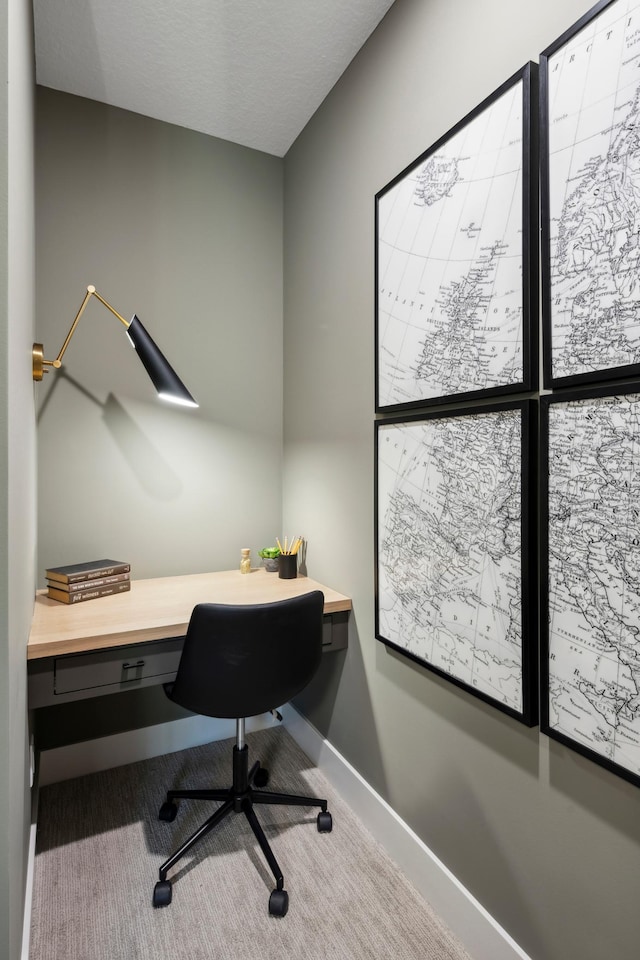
(133,666)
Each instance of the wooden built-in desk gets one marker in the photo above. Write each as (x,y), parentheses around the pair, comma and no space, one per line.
(134,639)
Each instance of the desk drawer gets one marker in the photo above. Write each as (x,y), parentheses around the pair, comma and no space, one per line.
(78,676)
(335,631)
(126,667)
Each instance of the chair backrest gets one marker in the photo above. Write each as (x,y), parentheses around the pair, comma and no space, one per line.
(242,660)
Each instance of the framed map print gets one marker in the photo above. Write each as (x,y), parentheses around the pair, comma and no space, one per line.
(590,637)
(455,583)
(590,193)
(456,259)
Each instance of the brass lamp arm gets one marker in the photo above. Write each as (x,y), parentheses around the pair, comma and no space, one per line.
(168,384)
(39,363)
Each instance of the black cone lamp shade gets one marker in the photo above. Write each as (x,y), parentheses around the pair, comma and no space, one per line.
(161,373)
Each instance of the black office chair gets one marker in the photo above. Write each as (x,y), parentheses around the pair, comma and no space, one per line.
(240,661)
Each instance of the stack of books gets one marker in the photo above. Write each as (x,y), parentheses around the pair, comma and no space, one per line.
(88,581)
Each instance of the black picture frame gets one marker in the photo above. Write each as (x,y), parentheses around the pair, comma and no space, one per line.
(590,574)
(466,290)
(455,548)
(590,218)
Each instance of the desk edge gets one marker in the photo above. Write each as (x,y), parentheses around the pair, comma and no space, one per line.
(86,644)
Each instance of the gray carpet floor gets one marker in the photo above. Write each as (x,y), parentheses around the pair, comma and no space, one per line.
(100,844)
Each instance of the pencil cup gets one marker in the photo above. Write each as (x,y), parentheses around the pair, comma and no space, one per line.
(287,566)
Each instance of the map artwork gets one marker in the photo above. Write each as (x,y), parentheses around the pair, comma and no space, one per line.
(450,545)
(594,196)
(450,264)
(594,576)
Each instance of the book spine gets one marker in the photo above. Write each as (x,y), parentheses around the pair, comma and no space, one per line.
(90,593)
(90,574)
(86,584)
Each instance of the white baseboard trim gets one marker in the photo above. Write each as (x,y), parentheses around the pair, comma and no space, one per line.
(31,863)
(482,936)
(90,756)
(28,896)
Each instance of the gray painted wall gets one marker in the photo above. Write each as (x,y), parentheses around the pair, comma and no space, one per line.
(185,231)
(17,456)
(5,744)
(546,840)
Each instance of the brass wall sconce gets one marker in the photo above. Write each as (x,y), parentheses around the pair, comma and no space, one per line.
(163,376)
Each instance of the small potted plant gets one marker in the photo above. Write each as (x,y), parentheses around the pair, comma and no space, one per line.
(270,558)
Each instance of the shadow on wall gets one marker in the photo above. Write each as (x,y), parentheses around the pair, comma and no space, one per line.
(506,736)
(606,795)
(609,797)
(318,704)
(81,720)
(470,832)
(452,818)
(155,475)
(153,472)
(473,816)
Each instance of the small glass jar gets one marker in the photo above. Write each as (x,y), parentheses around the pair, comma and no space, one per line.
(245,560)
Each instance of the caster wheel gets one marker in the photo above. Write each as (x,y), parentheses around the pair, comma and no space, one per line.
(162,893)
(278,903)
(168,811)
(325,822)
(261,778)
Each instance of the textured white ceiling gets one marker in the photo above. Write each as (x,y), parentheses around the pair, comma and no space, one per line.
(249,71)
